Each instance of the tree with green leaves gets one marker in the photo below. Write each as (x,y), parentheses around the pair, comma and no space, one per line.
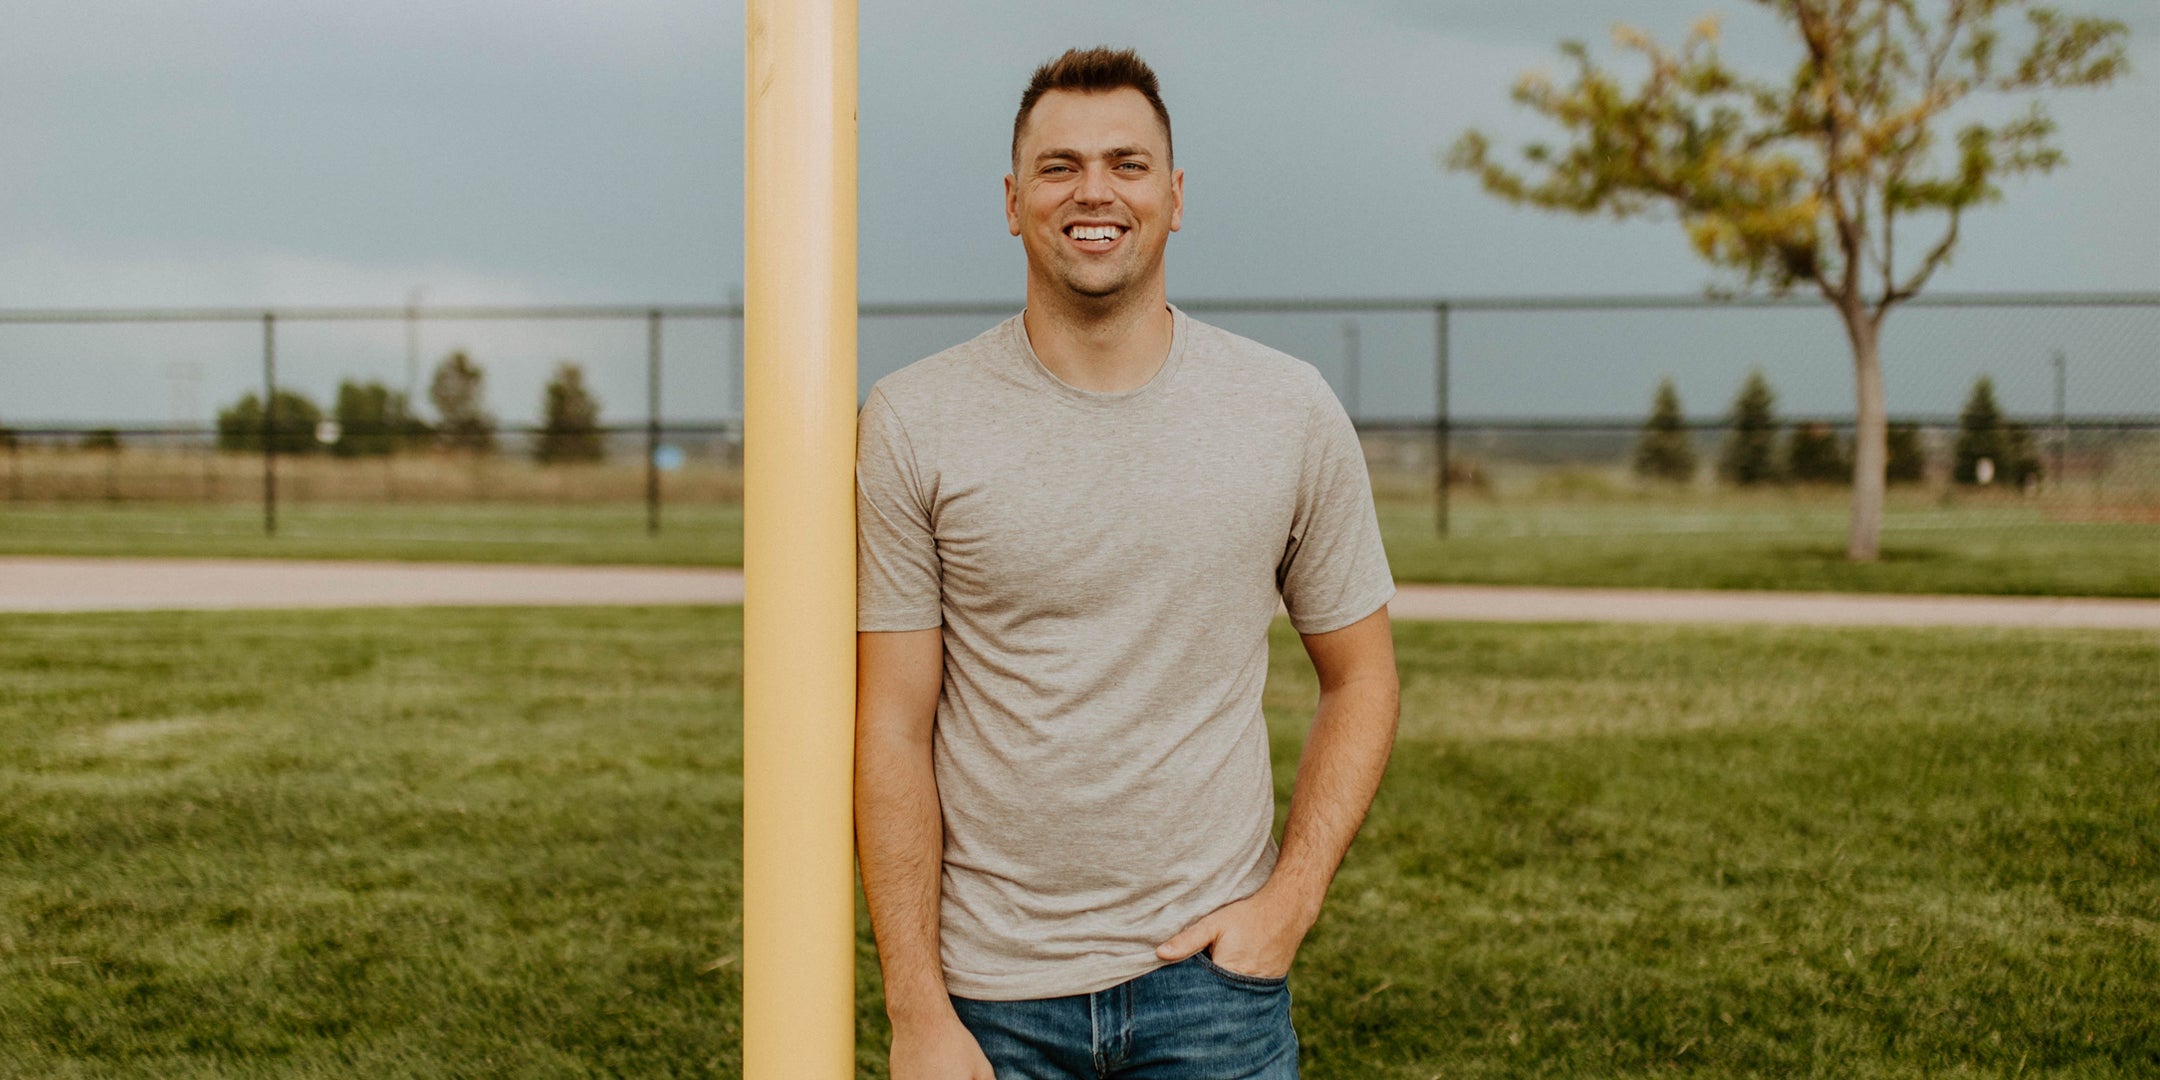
(457,391)
(1749,456)
(569,418)
(1814,455)
(1807,179)
(240,426)
(374,421)
(1984,434)
(1666,449)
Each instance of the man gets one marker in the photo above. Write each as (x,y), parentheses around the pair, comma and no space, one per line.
(1074,532)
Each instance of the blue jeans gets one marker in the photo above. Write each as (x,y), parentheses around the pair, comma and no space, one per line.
(1190,1020)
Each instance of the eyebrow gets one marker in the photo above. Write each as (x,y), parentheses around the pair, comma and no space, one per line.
(1113,153)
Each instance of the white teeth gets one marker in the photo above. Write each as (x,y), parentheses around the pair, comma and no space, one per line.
(1096,232)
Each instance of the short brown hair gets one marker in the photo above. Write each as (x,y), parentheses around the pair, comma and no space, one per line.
(1093,71)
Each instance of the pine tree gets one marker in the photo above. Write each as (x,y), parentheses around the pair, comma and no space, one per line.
(1814,455)
(1907,460)
(1749,455)
(570,418)
(1984,435)
(1666,451)
(456,392)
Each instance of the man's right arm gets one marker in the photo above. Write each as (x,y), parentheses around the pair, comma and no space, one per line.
(900,841)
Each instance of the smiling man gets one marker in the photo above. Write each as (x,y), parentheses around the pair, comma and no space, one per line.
(1074,531)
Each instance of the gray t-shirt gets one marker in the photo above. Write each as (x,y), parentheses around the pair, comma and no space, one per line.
(1105,566)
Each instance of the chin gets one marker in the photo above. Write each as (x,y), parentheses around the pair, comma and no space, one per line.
(1097,290)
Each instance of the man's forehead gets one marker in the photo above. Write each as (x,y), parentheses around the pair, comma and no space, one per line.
(1092,123)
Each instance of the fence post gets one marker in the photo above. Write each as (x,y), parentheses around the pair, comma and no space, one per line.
(269,424)
(735,355)
(1441,485)
(1351,389)
(2062,423)
(652,422)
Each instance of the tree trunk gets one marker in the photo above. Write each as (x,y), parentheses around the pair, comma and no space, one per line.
(1871,434)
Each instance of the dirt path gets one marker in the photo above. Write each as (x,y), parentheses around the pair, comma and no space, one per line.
(56,584)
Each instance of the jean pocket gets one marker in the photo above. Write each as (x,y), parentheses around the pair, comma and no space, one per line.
(1257,982)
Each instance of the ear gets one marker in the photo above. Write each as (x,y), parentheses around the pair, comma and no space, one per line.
(1012,204)
(1177,198)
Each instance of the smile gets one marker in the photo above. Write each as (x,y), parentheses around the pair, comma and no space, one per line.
(1095,236)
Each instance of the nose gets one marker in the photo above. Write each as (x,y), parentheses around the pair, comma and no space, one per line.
(1094,188)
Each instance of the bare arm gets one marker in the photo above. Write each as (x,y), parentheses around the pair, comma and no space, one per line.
(1345,755)
(900,840)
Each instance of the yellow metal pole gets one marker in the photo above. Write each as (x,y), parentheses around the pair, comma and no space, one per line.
(799,542)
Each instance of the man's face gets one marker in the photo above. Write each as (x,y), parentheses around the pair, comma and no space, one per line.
(1092,196)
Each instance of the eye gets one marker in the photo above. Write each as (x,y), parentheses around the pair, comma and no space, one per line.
(1132,166)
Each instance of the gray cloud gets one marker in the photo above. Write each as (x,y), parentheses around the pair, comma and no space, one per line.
(308,151)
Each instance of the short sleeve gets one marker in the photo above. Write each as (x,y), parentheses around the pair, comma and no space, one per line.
(1334,570)
(896,562)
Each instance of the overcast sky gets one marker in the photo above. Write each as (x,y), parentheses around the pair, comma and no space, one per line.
(300,151)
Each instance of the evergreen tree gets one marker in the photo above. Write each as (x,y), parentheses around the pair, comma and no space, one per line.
(456,391)
(1985,435)
(240,426)
(2021,456)
(1907,460)
(1666,450)
(1749,455)
(1815,455)
(570,418)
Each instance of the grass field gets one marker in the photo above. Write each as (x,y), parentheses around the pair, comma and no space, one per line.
(691,534)
(1785,541)
(506,843)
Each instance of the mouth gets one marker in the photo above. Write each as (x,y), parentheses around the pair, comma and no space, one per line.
(1094,236)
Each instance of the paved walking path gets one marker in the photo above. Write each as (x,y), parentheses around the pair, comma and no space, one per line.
(57,584)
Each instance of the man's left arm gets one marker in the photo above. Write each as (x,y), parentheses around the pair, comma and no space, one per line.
(1345,755)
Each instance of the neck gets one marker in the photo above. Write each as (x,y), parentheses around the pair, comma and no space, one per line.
(1108,344)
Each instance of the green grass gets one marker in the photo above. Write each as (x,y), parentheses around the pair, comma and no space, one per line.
(690,535)
(1799,545)
(1785,541)
(506,843)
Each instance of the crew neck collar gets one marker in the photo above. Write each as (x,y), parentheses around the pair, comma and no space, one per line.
(1103,397)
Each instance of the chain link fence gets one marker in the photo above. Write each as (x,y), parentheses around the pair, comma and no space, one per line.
(1489,413)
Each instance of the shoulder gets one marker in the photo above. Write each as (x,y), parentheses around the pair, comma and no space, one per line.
(946,376)
(1261,375)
